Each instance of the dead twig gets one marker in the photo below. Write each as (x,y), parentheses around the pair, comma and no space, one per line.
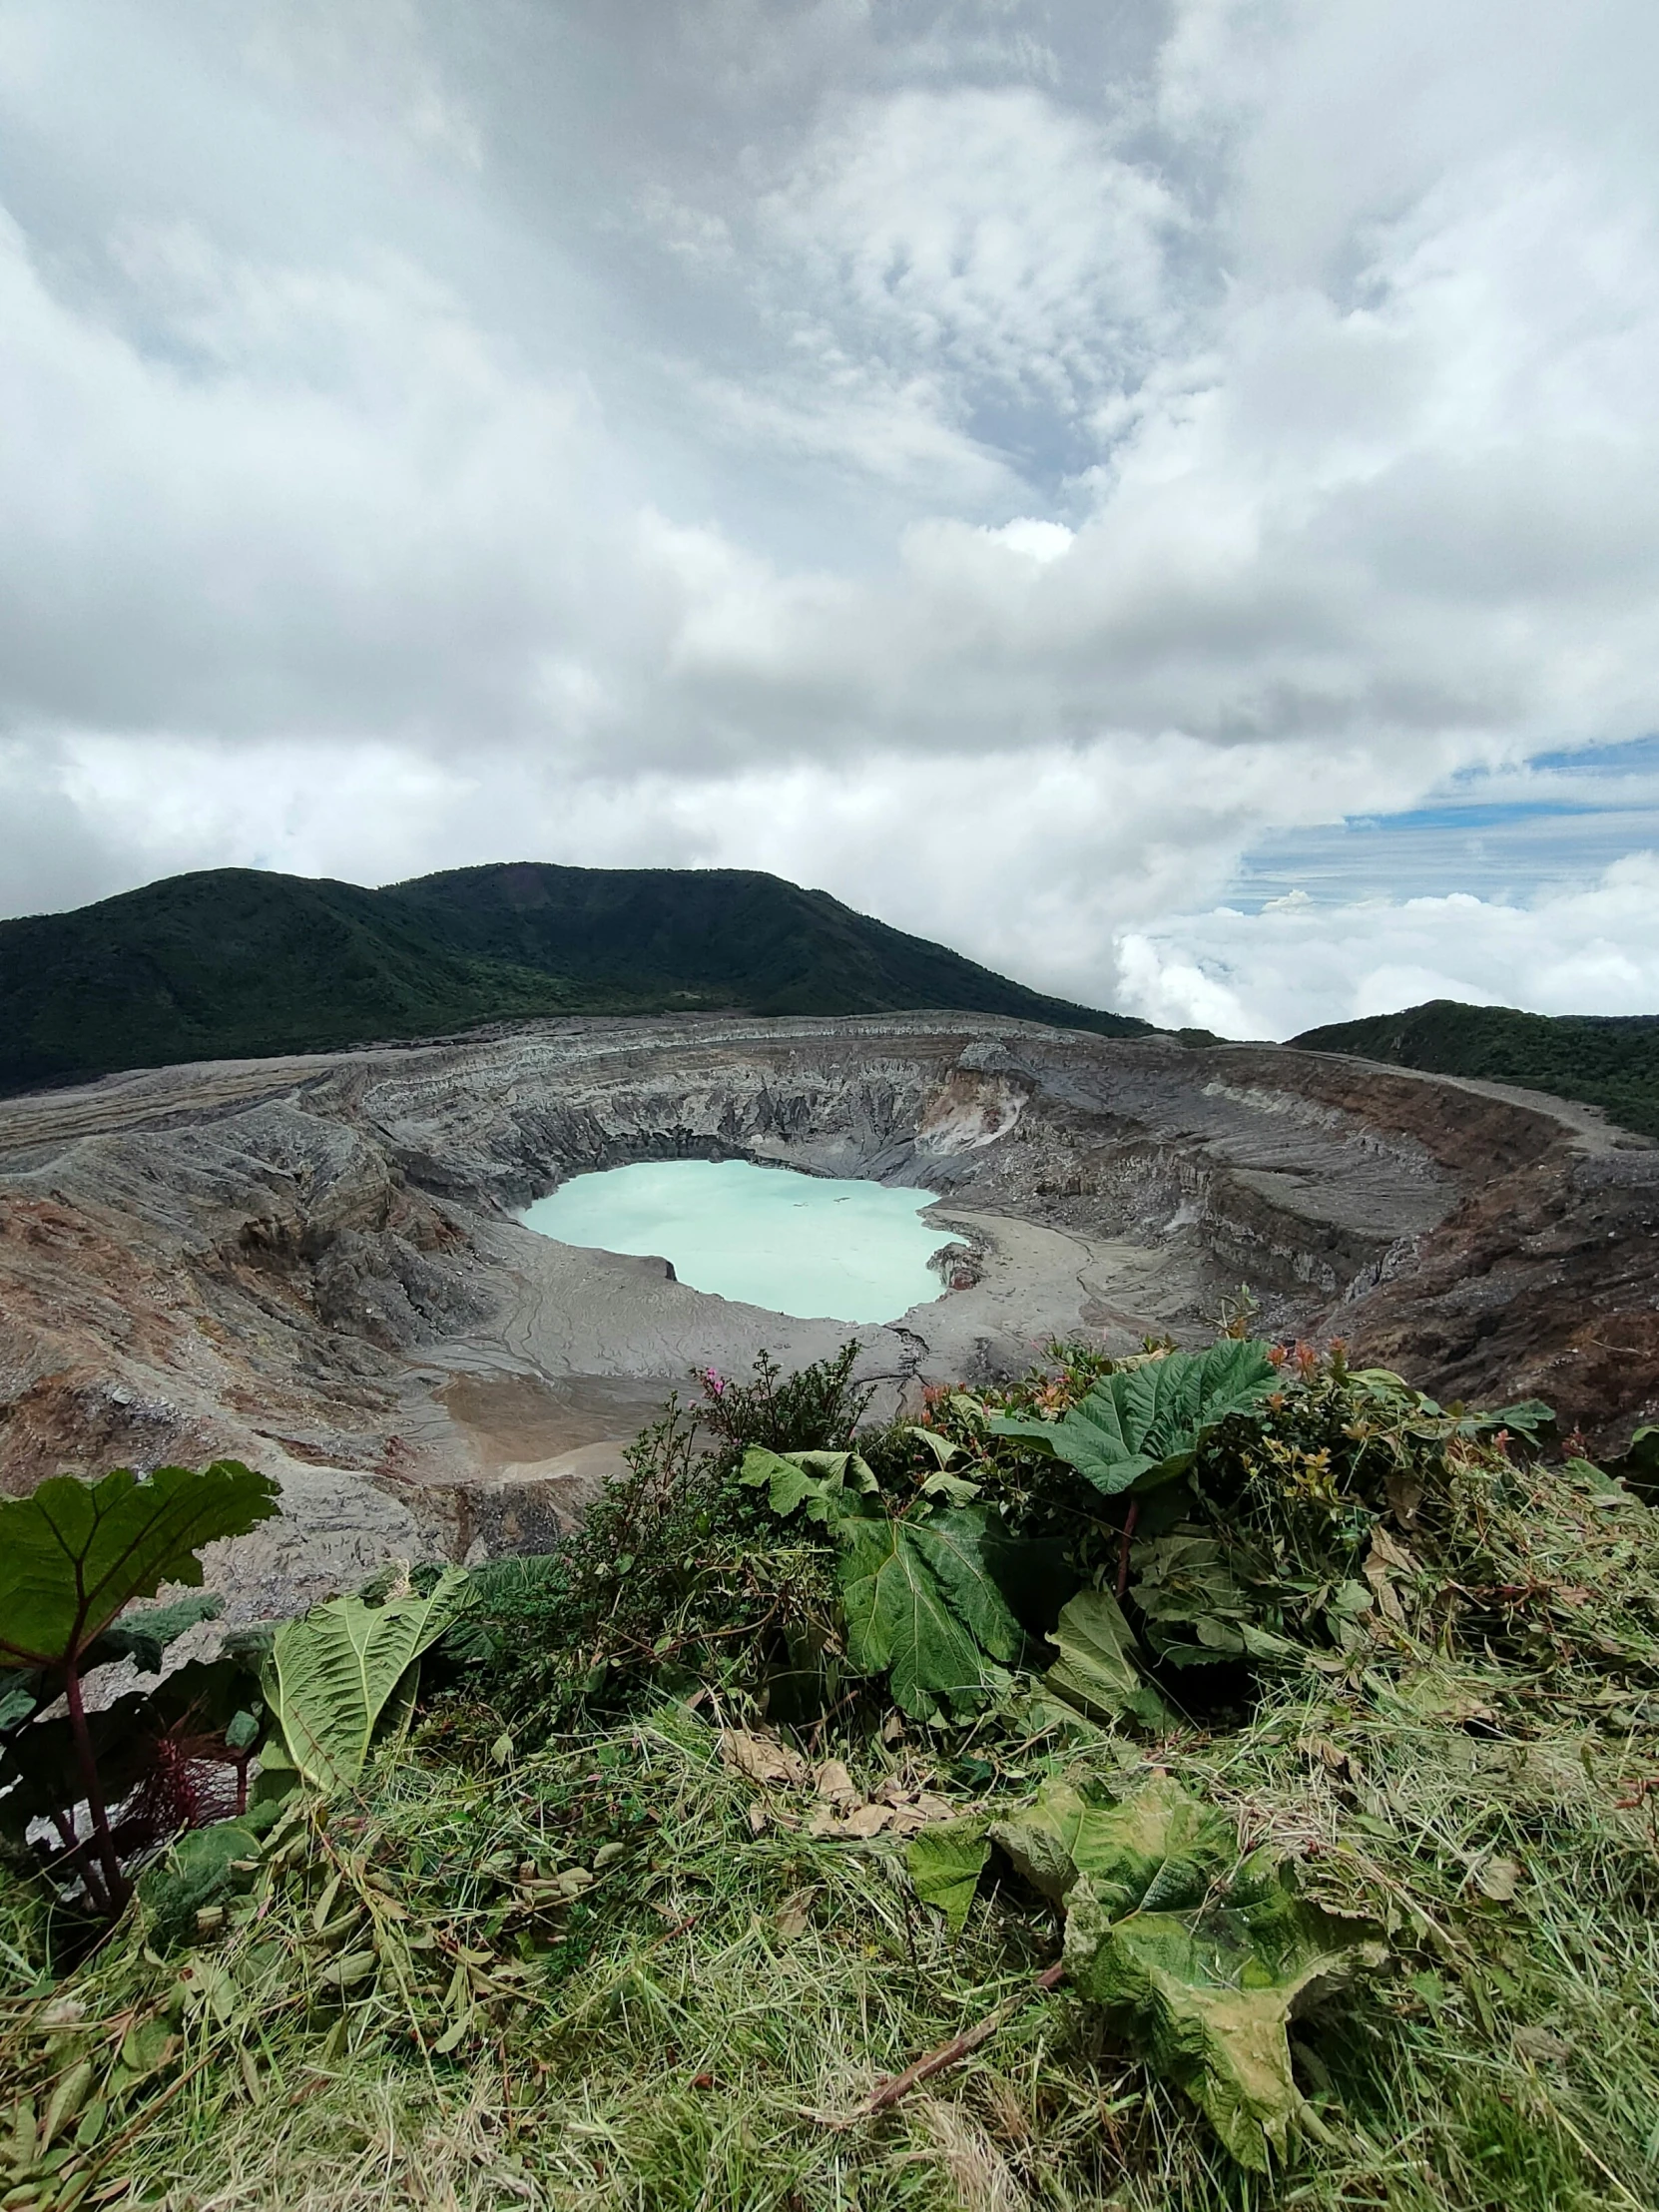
(947,2055)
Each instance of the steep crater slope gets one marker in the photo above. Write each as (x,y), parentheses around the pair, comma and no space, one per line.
(311,1263)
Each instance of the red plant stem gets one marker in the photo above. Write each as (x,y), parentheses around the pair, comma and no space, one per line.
(75,1855)
(115,1881)
(1129,1520)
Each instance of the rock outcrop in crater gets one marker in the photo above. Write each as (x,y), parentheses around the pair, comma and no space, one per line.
(312,1264)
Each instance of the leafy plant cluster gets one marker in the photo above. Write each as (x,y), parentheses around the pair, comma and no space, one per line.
(1037,1622)
(93,1796)
(1121,1538)
(1210,1516)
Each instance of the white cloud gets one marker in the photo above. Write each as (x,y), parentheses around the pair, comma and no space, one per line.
(995,230)
(994,465)
(1591,950)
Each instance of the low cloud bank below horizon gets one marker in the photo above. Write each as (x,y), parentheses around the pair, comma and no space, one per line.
(1300,963)
(904,843)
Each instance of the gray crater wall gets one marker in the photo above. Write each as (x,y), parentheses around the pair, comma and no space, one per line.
(312,1264)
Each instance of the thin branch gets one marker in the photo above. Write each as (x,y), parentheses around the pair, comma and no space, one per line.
(948,2054)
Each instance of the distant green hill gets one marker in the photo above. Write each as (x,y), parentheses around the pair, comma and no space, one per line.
(233,962)
(1611,1061)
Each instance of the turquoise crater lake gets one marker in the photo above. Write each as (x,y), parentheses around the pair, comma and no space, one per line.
(806,1245)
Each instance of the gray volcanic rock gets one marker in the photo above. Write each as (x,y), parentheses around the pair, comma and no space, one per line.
(311,1263)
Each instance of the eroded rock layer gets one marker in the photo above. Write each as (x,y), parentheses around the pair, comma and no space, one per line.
(312,1264)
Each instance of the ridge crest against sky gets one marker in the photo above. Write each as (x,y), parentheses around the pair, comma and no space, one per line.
(1164,499)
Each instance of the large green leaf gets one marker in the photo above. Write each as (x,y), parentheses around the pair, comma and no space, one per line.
(919,1592)
(1044,1838)
(1202,1957)
(1145,1426)
(146,1637)
(921,1602)
(74,1553)
(203,1866)
(945,1864)
(827,1483)
(1096,1671)
(333,1673)
(1208,1995)
(503,1590)
(1156,1847)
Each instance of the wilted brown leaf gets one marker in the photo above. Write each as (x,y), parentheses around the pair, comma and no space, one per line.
(761,1759)
(1499,1878)
(836,1786)
(794,1915)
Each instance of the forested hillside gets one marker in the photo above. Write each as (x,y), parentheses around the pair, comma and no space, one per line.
(237,963)
(1610,1061)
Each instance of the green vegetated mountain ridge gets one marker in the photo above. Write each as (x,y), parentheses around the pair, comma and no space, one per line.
(1610,1061)
(237,963)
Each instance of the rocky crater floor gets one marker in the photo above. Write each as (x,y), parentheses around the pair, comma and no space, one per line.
(312,1264)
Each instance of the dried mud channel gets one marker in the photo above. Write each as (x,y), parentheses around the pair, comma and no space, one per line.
(310,1263)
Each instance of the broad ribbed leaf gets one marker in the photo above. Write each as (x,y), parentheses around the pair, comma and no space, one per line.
(74,1553)
(146,1637)
(1043,1839)
(502,1590)
(1155,1849)
(827,1483)
(1144,1427)
(956,1547)
(1202,1957)
(1096,1671)
(921,1602)
(333,1673)
(1207,1994)
(945,1864)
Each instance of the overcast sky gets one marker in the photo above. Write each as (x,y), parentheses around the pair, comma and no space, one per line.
(1163,499)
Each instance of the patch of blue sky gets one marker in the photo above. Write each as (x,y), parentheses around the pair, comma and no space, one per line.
(1502,833)
(1632,757)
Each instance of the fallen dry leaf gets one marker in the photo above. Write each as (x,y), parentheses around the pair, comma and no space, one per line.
(794,1915)
(1498,1880)
(867,1819)
(1542,2045)
(1404,1496)
(858,1825)
(836,1786)
(761,1759)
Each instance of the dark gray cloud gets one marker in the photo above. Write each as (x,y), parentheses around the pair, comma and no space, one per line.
(1001,461)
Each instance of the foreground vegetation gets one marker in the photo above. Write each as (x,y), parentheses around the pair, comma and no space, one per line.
(1610,1061)
(647,1881)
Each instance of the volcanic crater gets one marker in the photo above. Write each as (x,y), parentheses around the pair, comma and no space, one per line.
(313,1262)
